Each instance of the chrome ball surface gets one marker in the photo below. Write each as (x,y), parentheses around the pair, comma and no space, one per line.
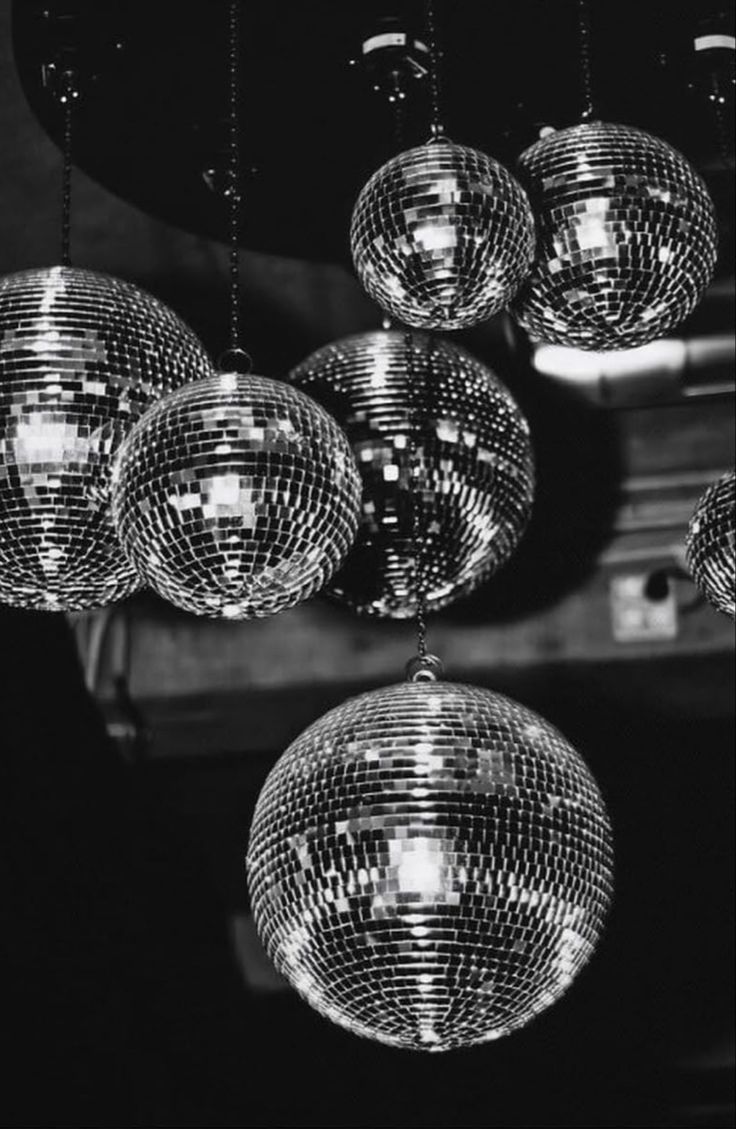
(432,428)
(711,545)
(442,236)
(82,355)
(430,865)
(627,239)
(236,497)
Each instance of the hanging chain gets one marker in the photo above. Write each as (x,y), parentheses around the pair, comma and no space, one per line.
(399,122)
(423,667)
(67,95)
(235,357)
(416,503)
(586,68)
(436,126)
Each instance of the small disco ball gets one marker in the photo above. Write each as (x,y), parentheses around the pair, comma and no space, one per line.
(430,865)
(442,236)
(236,497)
(627,239)
(711,544)
(438,440)
(81,357)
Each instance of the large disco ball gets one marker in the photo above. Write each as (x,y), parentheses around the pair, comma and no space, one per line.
(626,237)
(81,357)
(440,441)
(442,236)
(430,865)
(236,497)
(711,545)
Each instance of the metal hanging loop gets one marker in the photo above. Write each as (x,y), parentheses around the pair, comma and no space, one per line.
(424,668)
(235,360)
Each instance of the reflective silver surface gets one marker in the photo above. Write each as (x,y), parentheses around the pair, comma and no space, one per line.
(236,497)
(626,237)
(711,544)
(442,236)
(430,865)
(473,464)
(81,357)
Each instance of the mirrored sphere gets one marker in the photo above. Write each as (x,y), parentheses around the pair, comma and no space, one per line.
(236,497)
(711,544)
(432,428)
(442,236)
(430,865)
(627,239)
(81,357)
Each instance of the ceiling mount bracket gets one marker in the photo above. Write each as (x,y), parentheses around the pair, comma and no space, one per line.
(393,58)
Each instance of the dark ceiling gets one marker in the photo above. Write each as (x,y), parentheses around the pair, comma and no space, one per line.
(151,116)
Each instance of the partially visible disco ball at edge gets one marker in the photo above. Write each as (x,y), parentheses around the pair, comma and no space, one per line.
(236,497)
(440,443)
(442,236)
(430,865)
(82,355)
(627,238)
(711,544)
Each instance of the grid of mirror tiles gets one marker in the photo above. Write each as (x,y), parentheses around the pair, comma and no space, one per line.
(430,865)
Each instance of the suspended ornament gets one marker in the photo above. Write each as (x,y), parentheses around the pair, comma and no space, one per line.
(430,865)
(433,431)
(442,236)
(81,357)
(711,544)
(237,496)
(627,239)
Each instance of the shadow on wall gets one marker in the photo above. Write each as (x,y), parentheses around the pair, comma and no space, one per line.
(579,473)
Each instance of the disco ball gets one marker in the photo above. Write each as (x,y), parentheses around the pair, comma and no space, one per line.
(81,357)
(430,865)
(711,544)
(626,238)
(442,236)
(441,412)
(236,497)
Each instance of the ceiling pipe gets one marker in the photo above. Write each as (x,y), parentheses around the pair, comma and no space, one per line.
(665,370)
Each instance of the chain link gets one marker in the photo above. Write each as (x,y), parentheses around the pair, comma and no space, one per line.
(67,97)
(437,126)
(233,179)
(586,69)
